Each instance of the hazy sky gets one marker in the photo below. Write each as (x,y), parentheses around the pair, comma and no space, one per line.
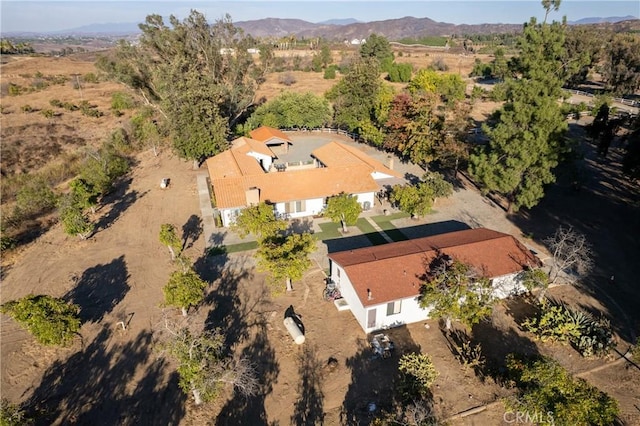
(21,15)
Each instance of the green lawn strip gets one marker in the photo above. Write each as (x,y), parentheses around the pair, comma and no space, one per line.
(370,232)
(235,248)
(393,216)
(385,224)
(330,231)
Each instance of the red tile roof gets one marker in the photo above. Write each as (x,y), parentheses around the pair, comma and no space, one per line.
(394,271)
(265,133)
(336,154)
(233,172)
(246,145)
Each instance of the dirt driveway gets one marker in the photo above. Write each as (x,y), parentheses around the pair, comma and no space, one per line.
(118,377)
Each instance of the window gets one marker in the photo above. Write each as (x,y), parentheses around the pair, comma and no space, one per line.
(295,206)
(393,308)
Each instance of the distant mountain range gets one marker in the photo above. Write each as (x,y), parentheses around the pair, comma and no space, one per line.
(333,29)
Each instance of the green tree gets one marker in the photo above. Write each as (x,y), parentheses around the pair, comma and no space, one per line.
(546,387)
(399,73)
(417,200)
(259,220)
(74,220)
(535,279)
(449,87)
(203,368)
(12,414)
(526,139)
(103,167)
(50,320)
(285,257)
(200,77)
(417,375)
(440,188)
(121,100)
(184,290)
(169,237)
(291,110)
(354,96)
(452,148)
(145,131)
(621,68)
(343,209)
(35,196)
(84,194)
(413,127)
(453,290)
(377,47)
(325,55)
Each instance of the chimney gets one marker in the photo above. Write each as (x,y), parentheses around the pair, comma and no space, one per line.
(390,162)
(253,196)
(369,294)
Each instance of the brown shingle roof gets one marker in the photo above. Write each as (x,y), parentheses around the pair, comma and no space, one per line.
(394,271)
(265,133)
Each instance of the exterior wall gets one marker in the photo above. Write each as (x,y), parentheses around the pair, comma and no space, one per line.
(229,216)
(507,285)
(366,197)
(410,310)
(339,276)
(312,207)
(378,175)
(266,160)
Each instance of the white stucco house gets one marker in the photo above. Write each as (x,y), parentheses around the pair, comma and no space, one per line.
(381,284)
(248,174)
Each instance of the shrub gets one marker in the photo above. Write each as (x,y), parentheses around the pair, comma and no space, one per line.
(90,78)
(50,320)
(47,113)
(15,89)
(417,375)
(70,106)
(439,65)
(56,103)
(557,322)
(287,79)
(121,100)
(35,196)
(26,108)
(546,387)
(330,73)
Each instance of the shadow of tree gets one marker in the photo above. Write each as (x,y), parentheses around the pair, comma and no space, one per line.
(496,344)
(299,226)
(373,379)
(241,312)
(191,231)
(92,386)
(309,409)
(100,289)
(215,245)
(119,201)
(251,411)
(234,310)
(604,207)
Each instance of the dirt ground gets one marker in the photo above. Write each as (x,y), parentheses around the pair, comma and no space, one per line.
(112,376)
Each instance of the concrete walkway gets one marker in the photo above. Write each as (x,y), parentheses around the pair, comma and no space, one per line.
(377,228)
(206,210)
